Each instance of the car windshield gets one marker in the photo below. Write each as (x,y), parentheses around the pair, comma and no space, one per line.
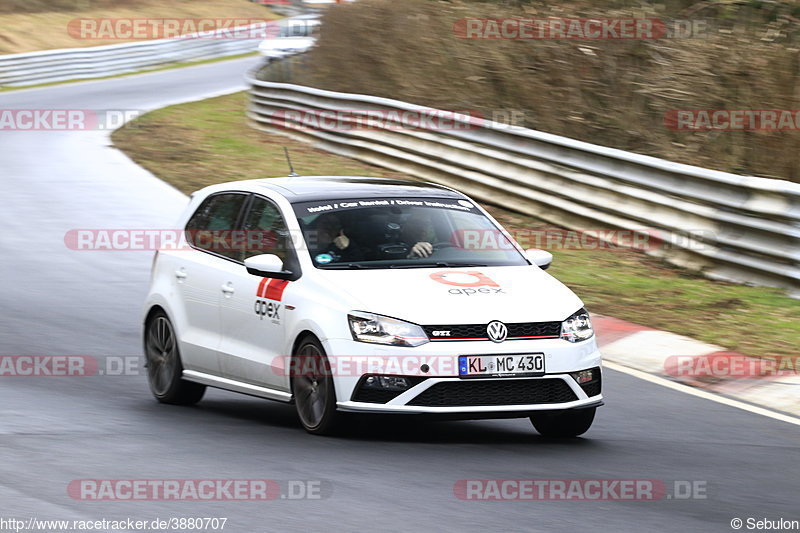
(403,233)
(300,28)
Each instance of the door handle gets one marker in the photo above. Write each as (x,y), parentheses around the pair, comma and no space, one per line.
(181,274)
(228,288)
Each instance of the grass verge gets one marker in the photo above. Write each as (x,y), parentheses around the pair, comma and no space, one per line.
(201,143)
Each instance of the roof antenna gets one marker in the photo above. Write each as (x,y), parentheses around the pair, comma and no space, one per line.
(292,173)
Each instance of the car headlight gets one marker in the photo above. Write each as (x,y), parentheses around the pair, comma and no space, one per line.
(577,327)
(368,327)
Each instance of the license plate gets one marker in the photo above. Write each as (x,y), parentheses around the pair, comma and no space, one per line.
(530,364)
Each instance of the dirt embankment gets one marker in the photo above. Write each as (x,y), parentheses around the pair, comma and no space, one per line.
(740,55)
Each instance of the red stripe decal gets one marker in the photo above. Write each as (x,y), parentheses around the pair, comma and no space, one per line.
(275,289)
(262,287)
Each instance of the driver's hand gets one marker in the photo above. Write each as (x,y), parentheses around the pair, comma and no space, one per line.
(342,241)
(421,249)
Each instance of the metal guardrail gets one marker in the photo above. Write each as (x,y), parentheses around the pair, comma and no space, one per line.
(49,66)
(737,228)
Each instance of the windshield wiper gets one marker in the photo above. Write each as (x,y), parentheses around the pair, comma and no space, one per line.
(348,266)
(439,264)
(360,266)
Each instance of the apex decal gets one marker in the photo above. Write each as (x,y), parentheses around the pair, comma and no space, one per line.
(470,282)
(268,294)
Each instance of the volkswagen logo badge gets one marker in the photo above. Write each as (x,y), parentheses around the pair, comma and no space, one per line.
(497,331)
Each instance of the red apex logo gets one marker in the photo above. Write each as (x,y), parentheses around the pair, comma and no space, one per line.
(461,278)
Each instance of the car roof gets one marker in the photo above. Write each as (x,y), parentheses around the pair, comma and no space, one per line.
(314,188)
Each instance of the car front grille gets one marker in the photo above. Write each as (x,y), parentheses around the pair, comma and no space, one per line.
(495,392)
(477,332)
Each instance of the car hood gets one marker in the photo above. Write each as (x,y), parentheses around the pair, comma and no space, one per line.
(457,295)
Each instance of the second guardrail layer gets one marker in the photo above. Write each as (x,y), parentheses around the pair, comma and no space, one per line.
(730,227)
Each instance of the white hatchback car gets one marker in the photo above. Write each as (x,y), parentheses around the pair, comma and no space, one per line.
(347,294)
(296,34)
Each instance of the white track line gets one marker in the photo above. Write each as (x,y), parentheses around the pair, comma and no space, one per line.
(701,393)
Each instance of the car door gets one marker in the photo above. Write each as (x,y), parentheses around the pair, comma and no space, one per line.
(199,277)
(253,316)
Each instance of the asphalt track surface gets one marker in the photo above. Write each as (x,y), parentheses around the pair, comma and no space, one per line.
(386,473)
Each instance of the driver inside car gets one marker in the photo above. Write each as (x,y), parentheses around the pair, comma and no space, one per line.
(333,241)
(419,230)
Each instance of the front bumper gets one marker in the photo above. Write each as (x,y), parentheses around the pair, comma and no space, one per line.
(562,358)
(399,404)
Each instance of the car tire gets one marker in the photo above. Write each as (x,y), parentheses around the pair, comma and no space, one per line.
(164,367)
(313,389)
(563,424)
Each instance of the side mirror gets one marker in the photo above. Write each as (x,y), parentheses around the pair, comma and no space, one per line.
(541,258)
(267,266)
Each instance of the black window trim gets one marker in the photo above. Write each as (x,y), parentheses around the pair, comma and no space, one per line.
(244,211)
(236,226)
(292,258)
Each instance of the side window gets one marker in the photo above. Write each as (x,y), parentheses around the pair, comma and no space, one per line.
(266,231)
(212,225)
